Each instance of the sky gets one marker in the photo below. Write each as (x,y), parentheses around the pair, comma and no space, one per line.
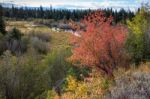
(80,4)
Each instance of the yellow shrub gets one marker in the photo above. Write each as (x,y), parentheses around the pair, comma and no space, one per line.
(91,88)
(72,83)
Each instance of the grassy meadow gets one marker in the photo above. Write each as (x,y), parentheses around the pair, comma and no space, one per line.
(58,39)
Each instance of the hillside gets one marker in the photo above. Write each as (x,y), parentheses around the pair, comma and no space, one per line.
(74,54)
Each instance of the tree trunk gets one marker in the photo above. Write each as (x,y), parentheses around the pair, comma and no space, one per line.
(108,71)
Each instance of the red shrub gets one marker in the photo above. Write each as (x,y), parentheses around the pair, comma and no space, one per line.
(100,44)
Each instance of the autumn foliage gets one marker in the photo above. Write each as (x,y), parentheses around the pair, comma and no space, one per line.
(100,43)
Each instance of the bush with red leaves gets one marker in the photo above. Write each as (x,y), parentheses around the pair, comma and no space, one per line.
(100,44)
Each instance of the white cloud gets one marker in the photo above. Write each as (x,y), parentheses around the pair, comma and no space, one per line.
(84,4)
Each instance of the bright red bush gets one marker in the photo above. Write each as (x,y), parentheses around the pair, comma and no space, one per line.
(100,44)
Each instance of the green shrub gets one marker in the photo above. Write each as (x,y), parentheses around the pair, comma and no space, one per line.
(2,45)
(39,45)
(22,77)
(42,36)
(2,23)
(136,42)
(57,67)
(16,42)
(14,34)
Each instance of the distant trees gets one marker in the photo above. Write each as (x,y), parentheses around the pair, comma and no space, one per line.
(2,24)
(63,14)
(100,44)
(119,16)
(45,13)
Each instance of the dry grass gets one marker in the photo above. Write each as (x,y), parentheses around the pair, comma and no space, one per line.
(143,67)
(58,39)
(23,26)
(131,84)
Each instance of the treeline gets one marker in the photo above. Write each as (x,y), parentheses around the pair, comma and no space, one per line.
(59,14)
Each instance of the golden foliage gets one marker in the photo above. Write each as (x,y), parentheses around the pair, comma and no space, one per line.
(93,87)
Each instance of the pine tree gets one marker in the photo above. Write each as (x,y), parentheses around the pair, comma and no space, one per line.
(2,24)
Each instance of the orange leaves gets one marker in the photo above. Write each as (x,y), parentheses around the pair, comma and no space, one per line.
(100,44)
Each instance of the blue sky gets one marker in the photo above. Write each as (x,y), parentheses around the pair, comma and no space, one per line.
(80,4)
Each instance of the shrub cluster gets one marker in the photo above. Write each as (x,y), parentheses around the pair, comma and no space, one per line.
(138,42)
(43,36)
(14,41)
(39,45)
(21,77)
(39,41)
(92,87)
(18,43)
(133,86)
